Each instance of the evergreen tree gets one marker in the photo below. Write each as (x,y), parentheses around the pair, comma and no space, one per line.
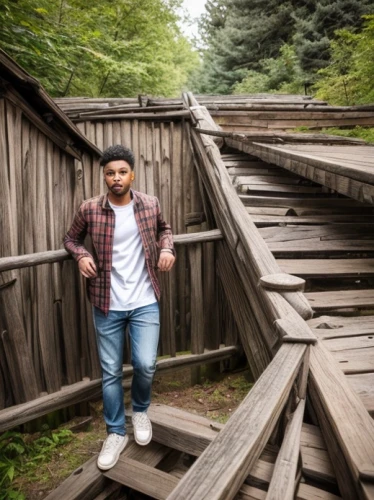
(316,24)
(239,35)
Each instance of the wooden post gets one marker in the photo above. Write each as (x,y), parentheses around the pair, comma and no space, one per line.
(197,306)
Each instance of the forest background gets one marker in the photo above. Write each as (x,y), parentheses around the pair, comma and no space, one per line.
(106,48)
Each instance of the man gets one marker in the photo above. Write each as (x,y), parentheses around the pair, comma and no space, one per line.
(130,241)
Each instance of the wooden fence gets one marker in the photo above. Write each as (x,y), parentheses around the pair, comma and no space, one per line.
(47,335)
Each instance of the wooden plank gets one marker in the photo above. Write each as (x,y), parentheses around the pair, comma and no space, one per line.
(304,492)
(255,258)
(355,360)
(316,465)
(340,409)
(335,327)
(83,484)
(24,383)
(282,484)
(91,389)
(297,202)
(181,430)
(88,481)
(341,322)
(251,334)
(221,469)
(363,385)
(311,437)
(143,478)
(356,182)
(328,268)
(308,492)
(335,232)
(250,188)
(270,220)
(34,259)
(357,343)
(342,299)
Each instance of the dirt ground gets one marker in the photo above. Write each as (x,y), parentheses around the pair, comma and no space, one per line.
(213,399)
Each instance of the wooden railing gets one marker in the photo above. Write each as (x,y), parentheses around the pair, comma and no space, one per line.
(279,308)
(30,401)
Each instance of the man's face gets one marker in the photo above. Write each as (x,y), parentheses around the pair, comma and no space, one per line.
(118,176)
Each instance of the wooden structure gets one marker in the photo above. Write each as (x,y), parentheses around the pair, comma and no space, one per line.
(48,356)
(279,259)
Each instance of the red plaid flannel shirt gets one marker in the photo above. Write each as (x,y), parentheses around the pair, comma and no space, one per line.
(96,218)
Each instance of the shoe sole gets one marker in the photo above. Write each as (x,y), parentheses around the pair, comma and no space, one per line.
(107,467)
(143,443)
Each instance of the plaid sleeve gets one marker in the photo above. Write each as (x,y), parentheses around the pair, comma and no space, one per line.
(74,238)
(164,234)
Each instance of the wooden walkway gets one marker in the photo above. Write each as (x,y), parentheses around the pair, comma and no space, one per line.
(327,245)
(346,169)
(179,437)
(326,239)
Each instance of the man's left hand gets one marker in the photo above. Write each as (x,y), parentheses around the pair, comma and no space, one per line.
(166,261)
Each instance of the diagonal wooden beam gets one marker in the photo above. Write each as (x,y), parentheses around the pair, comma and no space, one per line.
(222,468)
(346,426)
(282,485)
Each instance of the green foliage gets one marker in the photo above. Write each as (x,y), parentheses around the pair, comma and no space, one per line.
(367,134)
(244,42)
(282,74)
(100,48)
(349,78)
(20,457)
(316,23)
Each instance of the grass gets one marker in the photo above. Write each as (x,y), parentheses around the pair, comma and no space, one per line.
(365,133)
(35,464)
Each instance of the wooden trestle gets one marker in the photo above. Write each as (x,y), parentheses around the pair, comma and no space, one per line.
(293,248)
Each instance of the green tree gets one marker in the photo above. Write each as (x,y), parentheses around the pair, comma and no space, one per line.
(103,48)
(349,77)
(281,74)
(316,23)
(239,35)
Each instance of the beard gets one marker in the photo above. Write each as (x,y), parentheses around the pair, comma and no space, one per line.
(119,192)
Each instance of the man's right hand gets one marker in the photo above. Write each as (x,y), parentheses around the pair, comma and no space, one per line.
(87,267)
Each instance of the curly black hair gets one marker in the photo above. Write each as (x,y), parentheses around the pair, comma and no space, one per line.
(118,152)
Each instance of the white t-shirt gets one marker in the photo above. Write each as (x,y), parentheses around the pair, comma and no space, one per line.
(130,285)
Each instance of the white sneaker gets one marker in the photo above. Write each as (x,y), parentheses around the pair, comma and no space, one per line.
(142,428)
(111,450)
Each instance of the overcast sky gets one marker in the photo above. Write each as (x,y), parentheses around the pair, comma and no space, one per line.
(195,8)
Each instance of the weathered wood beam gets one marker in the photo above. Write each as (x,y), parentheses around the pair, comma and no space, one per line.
(346,426)
(35,259)
(164,116)
(257,340)
(91,389)
(280,137)
(355,184)
(88,481)
(236,225)
(84,483)
(282,484)
(221,469)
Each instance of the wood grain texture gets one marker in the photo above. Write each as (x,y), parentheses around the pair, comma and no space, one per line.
(211,476)
(282,484)
(282,281)
(348,178)
(90,389)
(342,299)
(344,412)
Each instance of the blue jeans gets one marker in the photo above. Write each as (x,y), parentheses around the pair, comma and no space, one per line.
(144,329)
